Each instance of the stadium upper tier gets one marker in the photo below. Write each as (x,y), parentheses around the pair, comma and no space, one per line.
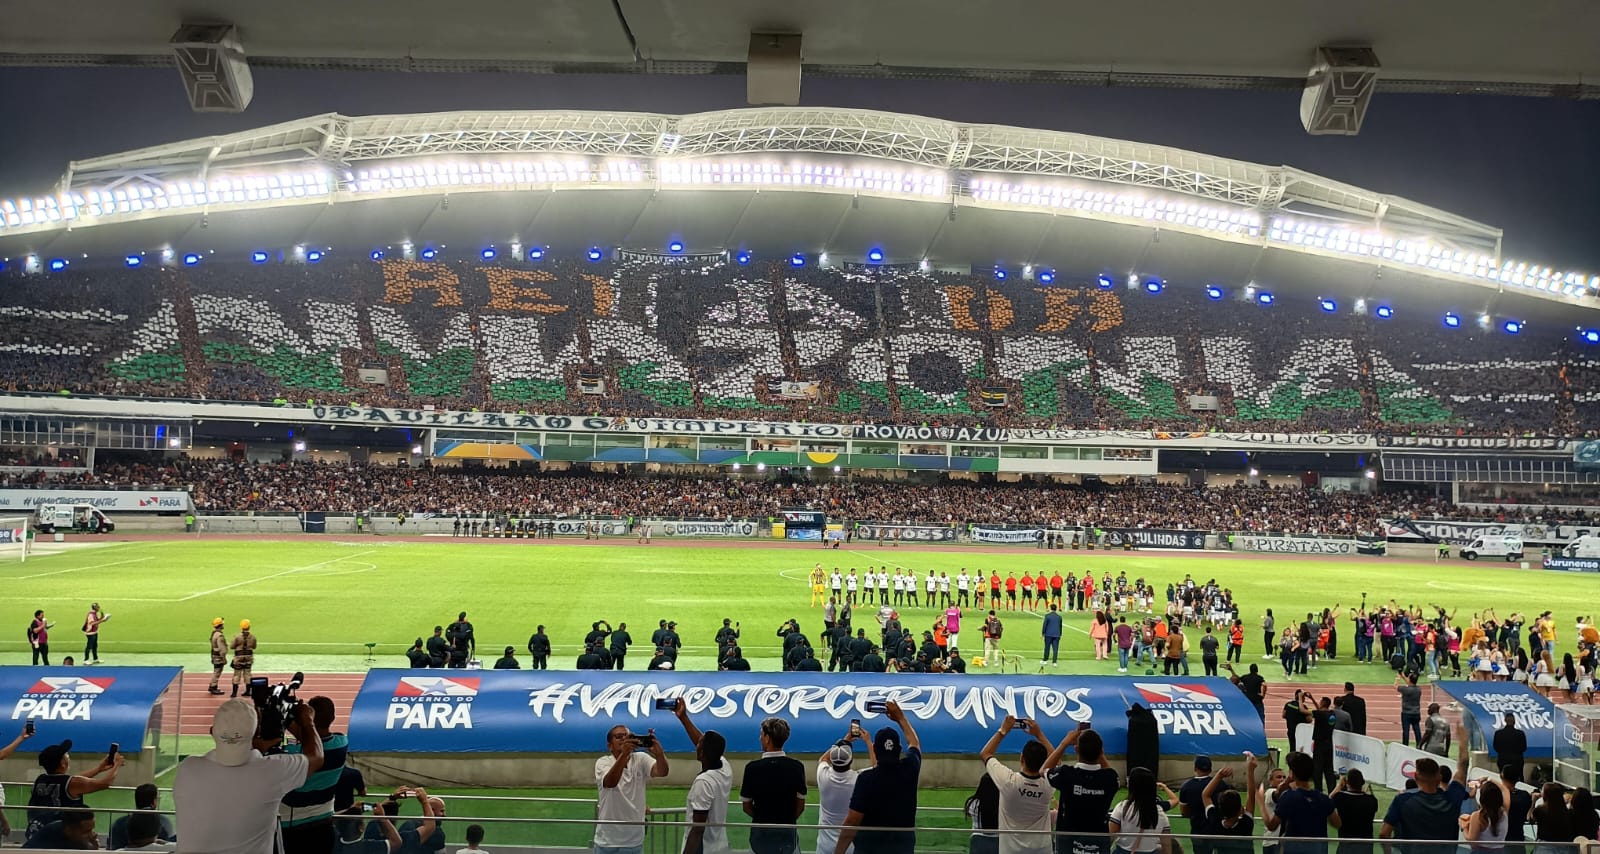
(720,339)
(772,180)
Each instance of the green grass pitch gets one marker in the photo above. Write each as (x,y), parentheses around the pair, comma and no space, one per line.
(316,602)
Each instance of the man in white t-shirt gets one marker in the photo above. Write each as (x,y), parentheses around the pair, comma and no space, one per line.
(836,781)
(622,776)
(227,800)
(707,802)
(1025,796)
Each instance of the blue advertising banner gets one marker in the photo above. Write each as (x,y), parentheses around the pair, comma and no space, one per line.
(547,711)
(1488,702)
(115,704)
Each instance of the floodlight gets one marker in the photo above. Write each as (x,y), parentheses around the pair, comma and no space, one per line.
(797,260)
(191,259)
(313,256)
(58,264)
(999,274)
(1213,292)
(1384,312)
(675,247)
(488,254)
(1265,298)
(1154,286)
(743,257)
(536,253)
(1255,472)
(1105,282)
(595,254)
(761,466)
(377,255)
(258,257)
(133,260)
(875,255)
(1329,305)
(1512,327)
(1591,336)
(1046,276)
(1452,320)
(429,253)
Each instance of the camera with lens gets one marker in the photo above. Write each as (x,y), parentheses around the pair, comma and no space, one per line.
(275,705)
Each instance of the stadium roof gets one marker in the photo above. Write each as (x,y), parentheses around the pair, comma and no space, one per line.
(773,180)
(1446,46)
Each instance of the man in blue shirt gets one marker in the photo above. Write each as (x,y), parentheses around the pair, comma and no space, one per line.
(306,814)
(1052,636)
(1429,812)
(1302,811)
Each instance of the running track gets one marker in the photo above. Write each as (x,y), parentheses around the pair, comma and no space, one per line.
(1383,704)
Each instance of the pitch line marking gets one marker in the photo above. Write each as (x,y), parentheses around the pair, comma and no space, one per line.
(289,571)
(82,568)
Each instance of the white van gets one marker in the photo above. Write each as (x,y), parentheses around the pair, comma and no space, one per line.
(1585,546)
(1508,546)
(50,518)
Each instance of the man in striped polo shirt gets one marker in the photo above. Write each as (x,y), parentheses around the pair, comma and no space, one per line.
(306,814)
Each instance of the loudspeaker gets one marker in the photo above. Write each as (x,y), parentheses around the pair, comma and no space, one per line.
(1338,90)
(211,60)
(772,74)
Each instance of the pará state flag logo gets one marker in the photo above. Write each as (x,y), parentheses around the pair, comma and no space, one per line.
(61,698)
(432,702)
(1160,692)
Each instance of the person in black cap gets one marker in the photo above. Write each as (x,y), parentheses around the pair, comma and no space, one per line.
(416,655)
(438,648)
(508,661)
(539,649)
(55,790)
(620,641)
(886,795)
(660,661)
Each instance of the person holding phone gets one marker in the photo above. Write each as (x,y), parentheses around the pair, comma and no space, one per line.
(1087,788)
(836,782)
(56,791)
(1024,794)
(707,802)
(621,776)
(886,794)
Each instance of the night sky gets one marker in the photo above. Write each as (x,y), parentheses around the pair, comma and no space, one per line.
(1529,166)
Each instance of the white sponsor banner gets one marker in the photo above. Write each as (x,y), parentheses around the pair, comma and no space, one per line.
(1370,755)
(578,527)
(677,528)
(1005,535)
(1461,533)
(1400,764)
(1295,545)
(109,500)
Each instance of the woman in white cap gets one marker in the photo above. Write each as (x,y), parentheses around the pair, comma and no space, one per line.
(836,780)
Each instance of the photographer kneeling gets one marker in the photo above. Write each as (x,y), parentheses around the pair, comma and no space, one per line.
(380,835)
(227,800)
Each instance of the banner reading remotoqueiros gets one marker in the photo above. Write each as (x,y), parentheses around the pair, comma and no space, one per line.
(549,711)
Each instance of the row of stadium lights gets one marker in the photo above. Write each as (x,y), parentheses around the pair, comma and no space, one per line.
(875,255)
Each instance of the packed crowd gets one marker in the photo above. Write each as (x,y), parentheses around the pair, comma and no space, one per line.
(230,486)
(709,339)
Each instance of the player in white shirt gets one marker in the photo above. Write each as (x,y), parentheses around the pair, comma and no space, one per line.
(899,589)
(850,583)
(963,582)
(621,777)
(836,782)
(944,589)
(707,802)
(1024,796)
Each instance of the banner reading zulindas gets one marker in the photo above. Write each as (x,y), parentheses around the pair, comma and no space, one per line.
(1155,538)
(548,711)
